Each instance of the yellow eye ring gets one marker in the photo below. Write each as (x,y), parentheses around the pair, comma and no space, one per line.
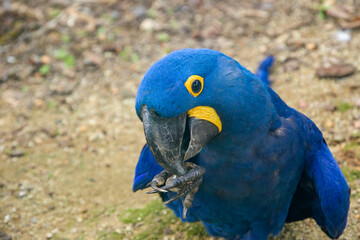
(194,84)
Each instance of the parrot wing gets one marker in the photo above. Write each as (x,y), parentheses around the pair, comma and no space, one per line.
(322,192)
(146,169)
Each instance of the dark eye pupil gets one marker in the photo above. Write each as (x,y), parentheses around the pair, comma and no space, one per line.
(196,86)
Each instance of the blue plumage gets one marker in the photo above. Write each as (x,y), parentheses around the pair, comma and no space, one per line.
(263,71)
(146,169)
(270,163)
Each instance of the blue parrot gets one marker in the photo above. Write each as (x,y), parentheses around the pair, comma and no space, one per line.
(224,149)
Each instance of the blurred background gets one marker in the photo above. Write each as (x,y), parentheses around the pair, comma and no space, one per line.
(69,70)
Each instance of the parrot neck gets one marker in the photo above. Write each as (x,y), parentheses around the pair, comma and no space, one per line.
(237,142)
(245,135)
(249,126)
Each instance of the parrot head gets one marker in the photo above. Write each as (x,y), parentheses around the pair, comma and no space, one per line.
(193,96)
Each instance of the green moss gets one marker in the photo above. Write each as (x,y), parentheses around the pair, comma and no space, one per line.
(128,55)
(138,214)
(51,104)
(157,221)
(44,69)
(110,236)
(322,7)
(163,37)
(351,145)
(54,12)
(350,174)
(65,38)
(101,31)
(195,230)
(68,59)
(151,13)
(24,88)
(134,58)
(344,106)
(61,53)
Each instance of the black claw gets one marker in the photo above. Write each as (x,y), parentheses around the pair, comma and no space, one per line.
(175,183)
(176,197)
(152,192)
(190,176)
(158,180)
(184,212)
(185,192)
(154,185)
(187,203)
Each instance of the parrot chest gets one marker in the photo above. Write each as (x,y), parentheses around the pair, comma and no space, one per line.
(255,189)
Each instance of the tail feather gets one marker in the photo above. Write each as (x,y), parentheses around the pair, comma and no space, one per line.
(263,70)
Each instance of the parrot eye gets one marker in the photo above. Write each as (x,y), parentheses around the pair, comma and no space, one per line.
(194,84)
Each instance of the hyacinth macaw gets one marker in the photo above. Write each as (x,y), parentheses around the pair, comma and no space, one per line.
(224,149)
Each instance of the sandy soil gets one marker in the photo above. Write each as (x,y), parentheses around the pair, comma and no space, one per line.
(69,70)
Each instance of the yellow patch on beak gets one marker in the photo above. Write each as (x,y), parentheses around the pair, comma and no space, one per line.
(206,113)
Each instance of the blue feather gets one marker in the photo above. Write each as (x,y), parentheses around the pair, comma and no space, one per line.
(263,71)
(146,169)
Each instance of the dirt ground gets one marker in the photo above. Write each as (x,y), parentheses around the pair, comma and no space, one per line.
(69,70)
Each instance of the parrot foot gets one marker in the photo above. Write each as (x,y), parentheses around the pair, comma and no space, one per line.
(185,185)
(189,199)
(159,180)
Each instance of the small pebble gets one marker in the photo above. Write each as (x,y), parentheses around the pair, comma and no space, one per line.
(302,104)
(329,124)
(330,107)
(6,218)
(343,35)
(310,46)
(168,231)
(139,224)
(4,236)
(336,71)
(291,64)
(16,153)
(11,59)
(149,25)
(34,220)
(22,194)
(139,11)
(49,236)
(357,124)
(45,59)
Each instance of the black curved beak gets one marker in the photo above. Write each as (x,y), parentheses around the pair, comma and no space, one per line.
(175,140)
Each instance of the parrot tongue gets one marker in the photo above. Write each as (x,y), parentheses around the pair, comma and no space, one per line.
(175,140)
